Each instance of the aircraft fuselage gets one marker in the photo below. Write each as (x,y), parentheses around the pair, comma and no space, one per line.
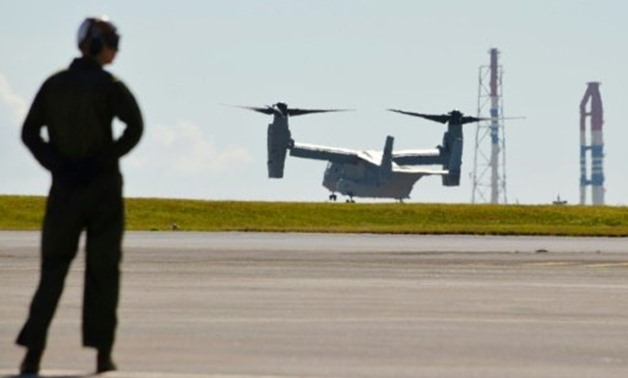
(363,180)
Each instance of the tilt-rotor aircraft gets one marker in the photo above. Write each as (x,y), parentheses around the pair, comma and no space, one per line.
(365,173)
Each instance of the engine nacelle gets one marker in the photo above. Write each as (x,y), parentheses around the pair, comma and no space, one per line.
(453,163)
(278,139)
(452,179)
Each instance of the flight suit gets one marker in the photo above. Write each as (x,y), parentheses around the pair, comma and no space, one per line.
(77,106)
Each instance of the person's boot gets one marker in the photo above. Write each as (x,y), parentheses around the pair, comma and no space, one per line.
(104,361)
(31,361)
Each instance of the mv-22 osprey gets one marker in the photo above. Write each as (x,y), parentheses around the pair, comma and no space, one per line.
(365,173)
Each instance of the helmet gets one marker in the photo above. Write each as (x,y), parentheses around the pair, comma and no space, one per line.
(95,33)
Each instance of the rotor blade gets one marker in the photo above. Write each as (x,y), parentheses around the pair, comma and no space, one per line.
(297,112)
(493,118)
(266,110)
(444,118)
(469,119)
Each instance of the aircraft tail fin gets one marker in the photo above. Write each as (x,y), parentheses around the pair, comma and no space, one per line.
(386,164)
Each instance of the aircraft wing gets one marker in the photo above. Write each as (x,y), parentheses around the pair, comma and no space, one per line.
(333,154)
(419,171)
(412,153)
(345,155)
(417,157)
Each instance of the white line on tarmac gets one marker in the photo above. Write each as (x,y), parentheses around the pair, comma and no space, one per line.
(125,374)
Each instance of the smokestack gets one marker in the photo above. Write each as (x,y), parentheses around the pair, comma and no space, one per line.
(494,127)
(591,110)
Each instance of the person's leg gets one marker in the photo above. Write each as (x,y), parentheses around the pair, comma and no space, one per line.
(102,272)
(59,244)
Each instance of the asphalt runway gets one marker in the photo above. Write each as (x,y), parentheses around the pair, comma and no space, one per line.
(314,305)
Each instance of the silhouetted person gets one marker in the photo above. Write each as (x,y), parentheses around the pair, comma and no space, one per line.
(77,107)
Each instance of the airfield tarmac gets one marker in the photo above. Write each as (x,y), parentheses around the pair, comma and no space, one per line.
(318,305)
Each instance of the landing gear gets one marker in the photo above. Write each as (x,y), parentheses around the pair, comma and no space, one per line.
(350,200)
(333,198)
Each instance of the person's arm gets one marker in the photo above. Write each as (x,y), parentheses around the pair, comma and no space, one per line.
(128,111)
(43,152)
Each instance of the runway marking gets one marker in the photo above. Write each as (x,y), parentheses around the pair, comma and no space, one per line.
(543,319)
(608,265)
(614,264)
(127,374)
(552,263)
(118,374)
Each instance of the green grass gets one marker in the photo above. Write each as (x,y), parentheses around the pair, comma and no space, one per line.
(26,212)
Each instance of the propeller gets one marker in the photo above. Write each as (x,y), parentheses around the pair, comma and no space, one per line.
(455,117)
(281,108)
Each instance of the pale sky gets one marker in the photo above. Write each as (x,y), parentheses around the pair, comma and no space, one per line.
(184,59)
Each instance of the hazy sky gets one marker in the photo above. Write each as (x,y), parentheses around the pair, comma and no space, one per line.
(183,59)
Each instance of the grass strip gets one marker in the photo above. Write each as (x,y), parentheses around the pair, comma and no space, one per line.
(157,214)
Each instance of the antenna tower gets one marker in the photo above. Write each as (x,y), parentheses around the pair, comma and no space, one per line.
(489,162)
(595,115)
